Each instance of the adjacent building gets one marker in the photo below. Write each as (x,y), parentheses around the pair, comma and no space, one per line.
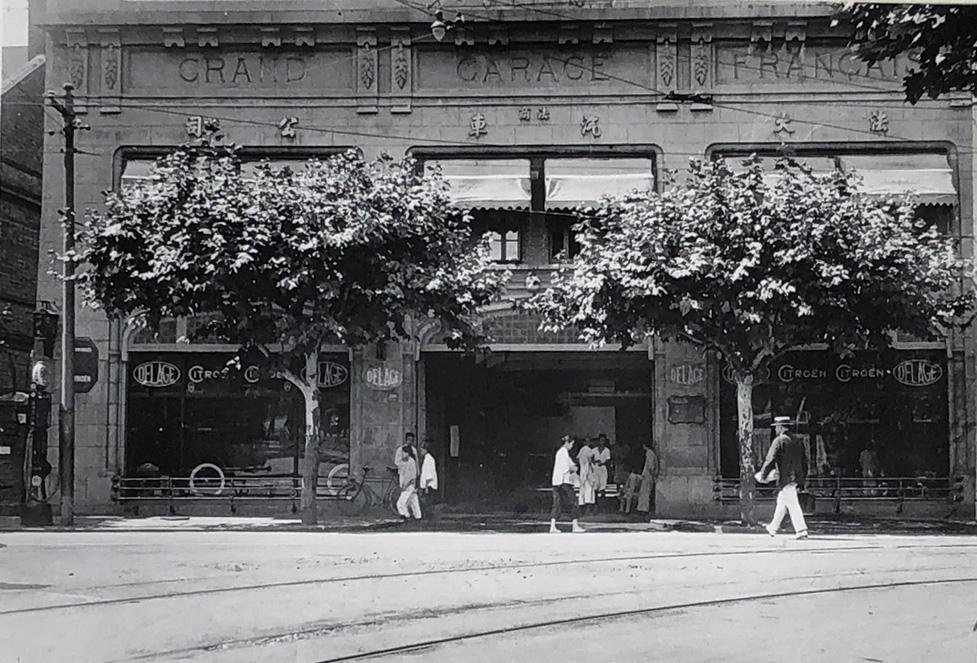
(530,112)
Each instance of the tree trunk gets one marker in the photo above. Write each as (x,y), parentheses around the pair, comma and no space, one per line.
(310,462)
(744,406)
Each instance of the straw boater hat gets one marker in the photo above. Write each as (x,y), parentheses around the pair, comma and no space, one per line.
(782,421)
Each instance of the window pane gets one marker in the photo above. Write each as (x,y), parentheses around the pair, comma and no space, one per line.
(512,245)
(495,245)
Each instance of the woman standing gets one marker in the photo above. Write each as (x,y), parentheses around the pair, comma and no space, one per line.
(588,476)
(646,494)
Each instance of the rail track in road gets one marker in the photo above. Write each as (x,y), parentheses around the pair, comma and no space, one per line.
(446,571)
(422,646)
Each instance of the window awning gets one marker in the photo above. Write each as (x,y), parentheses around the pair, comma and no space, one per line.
(136,170)
(817,166)
(929,176)
(487,183)
(574,183)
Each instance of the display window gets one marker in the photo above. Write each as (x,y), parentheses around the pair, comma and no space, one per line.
(185,409)
(873,414)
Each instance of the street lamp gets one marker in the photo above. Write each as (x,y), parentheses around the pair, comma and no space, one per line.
(440,27)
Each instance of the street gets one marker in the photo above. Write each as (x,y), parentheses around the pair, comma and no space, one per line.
(488,596)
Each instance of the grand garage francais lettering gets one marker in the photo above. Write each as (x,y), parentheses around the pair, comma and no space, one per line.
(533,69)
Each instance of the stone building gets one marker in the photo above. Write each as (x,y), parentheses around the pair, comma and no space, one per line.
(530,111)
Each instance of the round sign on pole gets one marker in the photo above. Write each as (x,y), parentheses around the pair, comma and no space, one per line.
(86,364)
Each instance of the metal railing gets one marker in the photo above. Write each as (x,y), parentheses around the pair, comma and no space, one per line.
(856,489)
(228,488)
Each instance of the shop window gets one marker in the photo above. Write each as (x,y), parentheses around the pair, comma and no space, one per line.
(562,239)
(191,408)
(890,405)
(504,246)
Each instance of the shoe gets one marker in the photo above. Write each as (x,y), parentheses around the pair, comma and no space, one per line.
(554,530)
(577,529)
(771,532)
(801,535)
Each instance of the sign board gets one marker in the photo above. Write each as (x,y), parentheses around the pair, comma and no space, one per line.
(382,377)
(686,409)
(86,365)
(454,437)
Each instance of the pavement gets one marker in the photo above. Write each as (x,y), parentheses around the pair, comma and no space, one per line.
(108,594)
(444,521)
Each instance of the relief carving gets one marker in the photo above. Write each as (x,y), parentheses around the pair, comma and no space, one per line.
(173,37)
(304,36)
(111,70)
(701,55)
(77,42)
(207,37)
(667,56)
(366,70)
(271,37)
(401,70)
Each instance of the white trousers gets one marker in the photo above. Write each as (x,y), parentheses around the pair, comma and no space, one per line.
(787,502)
(408,504)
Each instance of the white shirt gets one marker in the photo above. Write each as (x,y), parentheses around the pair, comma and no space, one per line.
(429,473)
(602,455)
(562,467)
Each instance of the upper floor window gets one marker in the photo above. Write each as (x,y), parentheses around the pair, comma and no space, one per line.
(530,203)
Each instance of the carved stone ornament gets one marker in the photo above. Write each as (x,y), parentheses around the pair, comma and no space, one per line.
(207,37)
(111,78)
(667,56)
(569,34)
(304,36)
(761,36)
(401,70)
(782,126)
(77,42)
(878,122)
(173,37)
(477,125)
(590,124)
(498,37)
(603,34)
(701,55)
(286,126)
(271,36)
(366,70)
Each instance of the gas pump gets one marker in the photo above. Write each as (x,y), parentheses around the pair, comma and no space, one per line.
(37,468)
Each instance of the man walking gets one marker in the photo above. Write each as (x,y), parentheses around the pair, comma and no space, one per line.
(563,497)
(408,505)
(789,458)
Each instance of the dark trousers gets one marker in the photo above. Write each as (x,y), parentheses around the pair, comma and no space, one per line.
(563,498)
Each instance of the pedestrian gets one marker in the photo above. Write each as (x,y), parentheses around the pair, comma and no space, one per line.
(620,459)
(602,457)
(646,494)
(588,485)
(788,458)
(429,469)
(564,472)
(628,497)
(408,504)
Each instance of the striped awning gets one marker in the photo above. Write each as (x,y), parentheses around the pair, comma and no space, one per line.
(573,183)
(487,183)
(929,176)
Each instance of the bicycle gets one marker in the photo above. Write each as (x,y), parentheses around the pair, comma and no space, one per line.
(357,495)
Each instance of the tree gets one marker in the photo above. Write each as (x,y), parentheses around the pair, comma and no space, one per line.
(749,268)
(941,39)
(341,251)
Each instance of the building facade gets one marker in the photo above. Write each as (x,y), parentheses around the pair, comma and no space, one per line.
(529,112)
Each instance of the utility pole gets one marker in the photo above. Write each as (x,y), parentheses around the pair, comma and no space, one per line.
(66,419)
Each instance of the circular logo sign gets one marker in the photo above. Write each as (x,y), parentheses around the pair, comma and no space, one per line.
(252,374)
(332,374)
(156,374)
(917,372)
(383,377)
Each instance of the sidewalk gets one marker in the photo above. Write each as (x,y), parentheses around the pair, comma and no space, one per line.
(499,522)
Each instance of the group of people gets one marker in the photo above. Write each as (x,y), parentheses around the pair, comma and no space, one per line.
(412,483)
(579,478)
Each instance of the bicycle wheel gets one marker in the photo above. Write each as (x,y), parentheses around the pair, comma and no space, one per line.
(207,479)
(338,477)
(353,499)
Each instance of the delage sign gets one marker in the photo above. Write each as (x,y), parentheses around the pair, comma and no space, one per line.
(156,373)
(332,374)
(383,378)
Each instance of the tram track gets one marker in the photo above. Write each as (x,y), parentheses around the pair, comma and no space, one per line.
(431,644)
(445,571)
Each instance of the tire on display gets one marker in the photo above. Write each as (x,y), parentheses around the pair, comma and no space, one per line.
(204,485)
(337,479)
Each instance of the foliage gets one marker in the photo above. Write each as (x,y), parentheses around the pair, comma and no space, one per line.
(343,249)
(941,39)
(751,267)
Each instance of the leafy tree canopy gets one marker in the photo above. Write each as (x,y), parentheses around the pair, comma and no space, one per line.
(751,266)
(343,249)
(943,39)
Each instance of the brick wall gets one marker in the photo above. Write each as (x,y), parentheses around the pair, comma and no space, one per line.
(22,136)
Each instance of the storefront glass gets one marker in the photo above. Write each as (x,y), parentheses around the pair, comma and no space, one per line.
(185,409)
(874,414)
